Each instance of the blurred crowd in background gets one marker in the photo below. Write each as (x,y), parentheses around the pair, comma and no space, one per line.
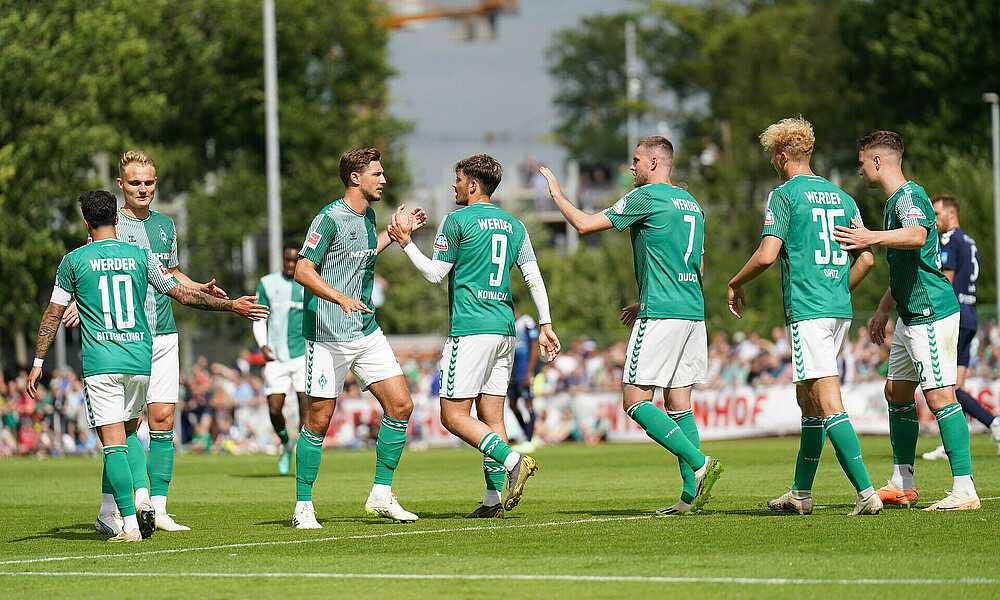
(223,409)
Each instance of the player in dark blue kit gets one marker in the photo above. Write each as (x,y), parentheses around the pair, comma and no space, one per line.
(523,375)
(960,263)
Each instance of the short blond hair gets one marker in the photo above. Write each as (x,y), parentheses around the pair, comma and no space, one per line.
(793,136)
(134,157)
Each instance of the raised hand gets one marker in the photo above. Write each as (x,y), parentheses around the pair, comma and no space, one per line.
(554,188)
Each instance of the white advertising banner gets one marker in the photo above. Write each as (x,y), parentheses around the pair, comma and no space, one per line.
(734,413)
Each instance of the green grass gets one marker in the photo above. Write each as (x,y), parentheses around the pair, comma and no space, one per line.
(578,518)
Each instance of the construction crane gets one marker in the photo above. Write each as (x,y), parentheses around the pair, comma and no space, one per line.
(470,20)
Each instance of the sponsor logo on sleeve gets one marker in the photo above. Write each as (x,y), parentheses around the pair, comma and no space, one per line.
(440,242)
(914,212)
(619,206)
(944,256)
(768,217)
(313,240)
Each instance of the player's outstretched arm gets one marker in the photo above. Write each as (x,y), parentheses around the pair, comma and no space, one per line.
(864,260)
(759,261)
(307,275)
(859,237)
(244,306)
(46,333)
(584,223)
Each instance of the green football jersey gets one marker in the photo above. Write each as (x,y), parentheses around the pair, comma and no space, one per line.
(803,213)
(157,234)
(110,279)
(344,245)
(667,226)
(483,243)
(283,297)
(922,292)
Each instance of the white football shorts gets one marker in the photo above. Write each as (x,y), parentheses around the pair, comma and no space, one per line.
(925,353)
(476,364)
(816,344)
(164,378)
(279,377)
(114,397)
(370,359)
(666,353)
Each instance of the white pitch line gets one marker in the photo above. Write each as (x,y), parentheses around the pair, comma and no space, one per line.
(495,577)
(325,539)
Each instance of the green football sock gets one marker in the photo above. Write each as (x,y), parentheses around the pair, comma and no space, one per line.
(388,448)
(685,420)
(105,483)
(811,439)
(120,477)
(160,462)
(283,435)
(308,454)
(845,441)
(955,437)
(663,430)
(492,446)
(494,473)
(136,461)
(904,427)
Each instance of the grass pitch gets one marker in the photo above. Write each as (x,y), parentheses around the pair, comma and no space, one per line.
(583,530)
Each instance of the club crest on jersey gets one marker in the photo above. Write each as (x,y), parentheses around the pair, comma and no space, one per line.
(441,242)
(619,206)
(768,217)
(313,240)
(914,212)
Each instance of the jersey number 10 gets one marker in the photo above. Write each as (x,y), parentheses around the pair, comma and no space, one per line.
(826,217)
(125,319)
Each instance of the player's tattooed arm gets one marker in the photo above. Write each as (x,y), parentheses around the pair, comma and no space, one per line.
(244,306)
(46,333)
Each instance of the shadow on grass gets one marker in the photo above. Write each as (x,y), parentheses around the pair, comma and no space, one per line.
(261,476)
(80,531)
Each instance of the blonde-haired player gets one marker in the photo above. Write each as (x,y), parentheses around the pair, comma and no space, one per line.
(816,279)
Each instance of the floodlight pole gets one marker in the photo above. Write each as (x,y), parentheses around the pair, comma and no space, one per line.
(633,85)
(994,100)
(271,144)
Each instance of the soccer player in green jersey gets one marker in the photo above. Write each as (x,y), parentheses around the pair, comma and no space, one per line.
(475,248)
(149,229)
(924,348)
(669,346)
(337,269)
(110,279)
(816,283)
(280,339)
